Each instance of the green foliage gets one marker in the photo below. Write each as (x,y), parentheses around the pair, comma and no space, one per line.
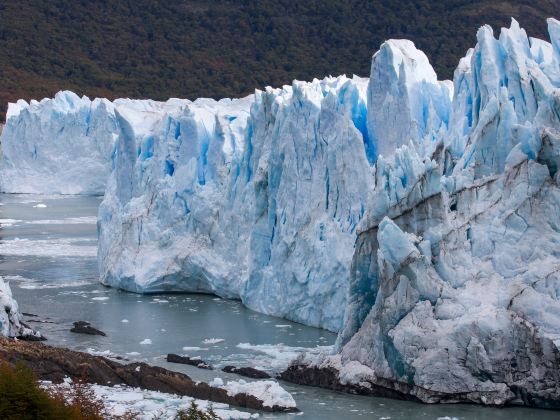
(191,48)
(21,398)
(194,413)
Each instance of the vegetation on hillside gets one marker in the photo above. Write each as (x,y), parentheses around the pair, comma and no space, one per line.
(191,48)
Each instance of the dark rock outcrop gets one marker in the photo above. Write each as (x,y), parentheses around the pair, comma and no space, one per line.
(248,372)
(185,360)
(54,364)
(84,327)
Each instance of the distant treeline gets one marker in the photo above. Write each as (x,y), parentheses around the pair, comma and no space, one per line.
(191,48)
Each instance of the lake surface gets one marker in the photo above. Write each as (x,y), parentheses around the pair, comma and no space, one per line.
(48,254)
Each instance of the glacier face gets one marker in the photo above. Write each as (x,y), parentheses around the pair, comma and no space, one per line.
(455,288)
(65,145)
(259,198)
(406,102)
(255,199)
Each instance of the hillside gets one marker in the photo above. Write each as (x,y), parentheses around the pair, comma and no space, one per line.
(192,48)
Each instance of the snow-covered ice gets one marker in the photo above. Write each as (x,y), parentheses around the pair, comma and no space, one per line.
(10,318)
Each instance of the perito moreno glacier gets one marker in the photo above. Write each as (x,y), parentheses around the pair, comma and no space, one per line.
(418,218)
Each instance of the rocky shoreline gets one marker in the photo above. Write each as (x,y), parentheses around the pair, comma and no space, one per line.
(327,375)
(55,363)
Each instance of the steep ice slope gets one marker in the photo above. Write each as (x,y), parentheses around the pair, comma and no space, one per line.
(60,145)
(64,145)
(11,324)
(455,287)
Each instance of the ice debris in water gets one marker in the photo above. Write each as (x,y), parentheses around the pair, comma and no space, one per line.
(270,392)
(213,340)
(151,404)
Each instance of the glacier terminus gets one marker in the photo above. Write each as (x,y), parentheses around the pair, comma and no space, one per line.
(417,218)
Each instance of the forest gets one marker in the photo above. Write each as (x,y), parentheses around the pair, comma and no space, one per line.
(221,48)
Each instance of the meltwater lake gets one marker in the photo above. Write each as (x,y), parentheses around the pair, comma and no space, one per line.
(48,251)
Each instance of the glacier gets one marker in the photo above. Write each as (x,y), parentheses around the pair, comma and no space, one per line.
(259,198)
(418,218)
(223,197)
(65,145)
(454,290)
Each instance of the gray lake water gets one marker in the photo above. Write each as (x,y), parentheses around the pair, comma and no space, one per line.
(48,254)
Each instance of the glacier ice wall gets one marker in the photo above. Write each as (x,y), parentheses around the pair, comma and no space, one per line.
(256,199)
(64,145)
(406,102)
(259,198)
(455,286)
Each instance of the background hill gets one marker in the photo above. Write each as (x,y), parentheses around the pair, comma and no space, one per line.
(190,48)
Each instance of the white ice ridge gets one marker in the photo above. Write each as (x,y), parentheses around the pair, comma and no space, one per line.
(406,102)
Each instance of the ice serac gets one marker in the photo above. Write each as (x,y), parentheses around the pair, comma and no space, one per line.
(255,198)
(11,324)
(406,102)
(64,145)
(455,285)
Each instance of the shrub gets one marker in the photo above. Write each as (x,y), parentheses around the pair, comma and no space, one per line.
(194,413)
(22,398)
(80,399)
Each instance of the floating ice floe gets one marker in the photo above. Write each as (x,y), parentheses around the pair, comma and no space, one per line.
(213,340)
